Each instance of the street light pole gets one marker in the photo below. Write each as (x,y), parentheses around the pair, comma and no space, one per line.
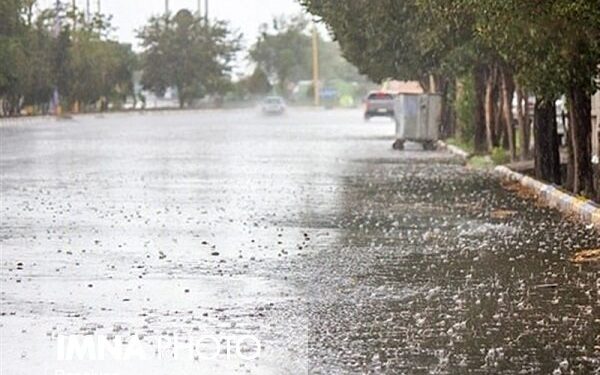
(315,53)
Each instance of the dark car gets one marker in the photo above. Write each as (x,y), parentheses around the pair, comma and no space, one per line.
(379,104)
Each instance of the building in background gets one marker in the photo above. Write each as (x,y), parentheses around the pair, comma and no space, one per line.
(402,87)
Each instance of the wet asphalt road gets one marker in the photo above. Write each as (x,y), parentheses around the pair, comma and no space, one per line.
(306,231)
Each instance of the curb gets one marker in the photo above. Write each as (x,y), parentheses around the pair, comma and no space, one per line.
(586,210)
(21,120)
(26,119)
(453,150)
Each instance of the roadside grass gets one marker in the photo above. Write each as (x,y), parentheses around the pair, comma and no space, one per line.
(466,146)
(498,156)
(481,162)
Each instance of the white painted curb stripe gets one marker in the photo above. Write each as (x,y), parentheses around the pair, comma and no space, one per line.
(554,197)
(453,150)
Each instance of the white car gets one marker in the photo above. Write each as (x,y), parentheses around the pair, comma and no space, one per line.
(273,105)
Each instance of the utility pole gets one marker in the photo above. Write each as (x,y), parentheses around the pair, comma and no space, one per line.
(74,10)
(56,94)
(315,53)
(166,6)
(57,19)
(199,8)
(99,7)
(206,10)
(87,10)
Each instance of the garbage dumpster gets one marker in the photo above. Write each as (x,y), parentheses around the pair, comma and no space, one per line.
(418,119)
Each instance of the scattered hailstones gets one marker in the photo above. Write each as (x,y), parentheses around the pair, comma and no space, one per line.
(493,356)
(477,229)
(563,368)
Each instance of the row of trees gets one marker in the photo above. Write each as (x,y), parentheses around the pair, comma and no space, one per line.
(62,55)
(59,55)
(504,51)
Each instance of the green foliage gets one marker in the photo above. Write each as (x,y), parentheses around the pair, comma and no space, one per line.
(186,52)
(463,145)
(562,37)
(481,162)
(415,38)
(78,59)
(283,51)
(499,156)
(256,84)
(387,38)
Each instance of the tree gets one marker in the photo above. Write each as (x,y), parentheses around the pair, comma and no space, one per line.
(12,54)
(549,48)
(283,51)
(187,53)
(38,79)
(547,155)
(258,83)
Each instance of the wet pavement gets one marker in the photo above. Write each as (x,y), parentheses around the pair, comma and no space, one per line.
(306,231)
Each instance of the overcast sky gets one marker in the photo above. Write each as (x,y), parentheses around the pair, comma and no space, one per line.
(246,15)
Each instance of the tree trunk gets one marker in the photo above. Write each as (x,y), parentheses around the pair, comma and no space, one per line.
(180,96)
(507,96)
(448,115)
(528,122)
(15,106)
(547,155)
(433,87)
(523,121)
(570,155)
(500,138)
(489,108)
(425,83)
(580,108)
(479,112)
(458,97)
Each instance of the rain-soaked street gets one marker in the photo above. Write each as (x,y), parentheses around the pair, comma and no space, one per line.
(306,231)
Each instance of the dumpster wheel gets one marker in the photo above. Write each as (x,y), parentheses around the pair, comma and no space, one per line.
(398,145)
(429,146)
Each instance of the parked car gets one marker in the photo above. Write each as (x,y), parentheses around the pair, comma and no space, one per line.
(379,104)
(273,105)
